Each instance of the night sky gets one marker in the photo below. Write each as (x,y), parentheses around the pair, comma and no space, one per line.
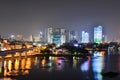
(28,17)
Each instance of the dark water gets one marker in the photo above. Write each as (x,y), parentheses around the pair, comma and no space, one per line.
(62,68)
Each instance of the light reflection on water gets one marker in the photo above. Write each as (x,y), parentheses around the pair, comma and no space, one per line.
(119,63)
(91,67)
(85,67)
(97,66)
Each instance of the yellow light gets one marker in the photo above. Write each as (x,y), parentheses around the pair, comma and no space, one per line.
(43,62)
(5,41)
(9,65)
(16,64)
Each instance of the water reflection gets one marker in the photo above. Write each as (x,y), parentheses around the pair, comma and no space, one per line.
(84,69)
(9,66)
(28,63)
(75,61)
(23,63)
(16,67)
(59,64)
(43,62)
(86,65)
(119,63)
(97,67)
(7,79)
(16,64)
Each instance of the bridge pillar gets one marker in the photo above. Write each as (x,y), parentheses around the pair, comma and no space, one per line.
(13,61)
(3,58)
(13,58)
(2,66)
(20,59)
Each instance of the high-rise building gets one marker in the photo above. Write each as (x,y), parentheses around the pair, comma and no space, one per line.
(56,35)
(73,35)
(98,34)
(49,35)
(31,38)
(63,36)
(85,37)
(36,38)
(42,36)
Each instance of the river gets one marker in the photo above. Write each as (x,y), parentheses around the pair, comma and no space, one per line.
(61,68)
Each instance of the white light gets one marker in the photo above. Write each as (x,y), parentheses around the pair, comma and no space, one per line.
(12,36)
(34,43)
(85,66)
(99,26)
(41,33)
(76,45)
(39,44)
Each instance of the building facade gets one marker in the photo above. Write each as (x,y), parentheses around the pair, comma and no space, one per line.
(56,35)
(85,37)
(98,34)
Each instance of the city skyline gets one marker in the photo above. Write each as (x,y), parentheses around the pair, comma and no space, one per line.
(27,17)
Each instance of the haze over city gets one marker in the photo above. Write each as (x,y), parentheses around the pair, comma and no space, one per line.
(26,17)
(59,40)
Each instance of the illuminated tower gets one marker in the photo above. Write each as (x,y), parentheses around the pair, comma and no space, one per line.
(49,35)
(59,36)
(63,36)
(31,38)
(56,35)
(98,34)
(73,35)
(85,37)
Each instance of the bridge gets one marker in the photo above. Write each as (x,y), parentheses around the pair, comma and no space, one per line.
(12,54)
(4,53)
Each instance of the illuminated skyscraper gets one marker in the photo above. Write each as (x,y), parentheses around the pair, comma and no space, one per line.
(73,35)
(35,37)
(85,37)
(63,36)
(31,38)
(49,35)
(98,34)
(56,36)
